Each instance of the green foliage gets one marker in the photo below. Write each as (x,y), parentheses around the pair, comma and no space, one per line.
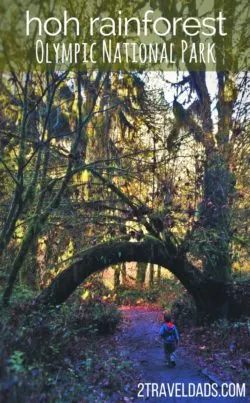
(130,297)
(93,316)
(163,291)
(22,294)
(95,287)
(58,355)
(168,291)
(106,317)
(16,362)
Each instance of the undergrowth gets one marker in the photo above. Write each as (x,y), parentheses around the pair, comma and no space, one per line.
(163,292)
(222,348)
(62,354)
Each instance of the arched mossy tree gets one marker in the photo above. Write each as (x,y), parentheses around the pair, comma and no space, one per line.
(210,296)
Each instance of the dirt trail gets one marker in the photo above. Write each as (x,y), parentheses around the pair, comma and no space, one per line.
(140,336)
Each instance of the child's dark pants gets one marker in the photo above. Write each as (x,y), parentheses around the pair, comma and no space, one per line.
(169,352)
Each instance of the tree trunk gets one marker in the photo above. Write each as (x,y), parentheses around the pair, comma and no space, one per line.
(151,274)
(158,272)
(18,261)
(211,300)
(141,273)
(215,217)
(117,273)
(29,271)
(124,273)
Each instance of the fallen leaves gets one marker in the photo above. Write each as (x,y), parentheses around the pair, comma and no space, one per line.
(222,348)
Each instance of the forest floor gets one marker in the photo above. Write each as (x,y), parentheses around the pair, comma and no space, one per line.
(140,336)
(60,357)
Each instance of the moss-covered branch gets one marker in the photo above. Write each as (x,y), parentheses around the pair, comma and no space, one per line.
(104,255)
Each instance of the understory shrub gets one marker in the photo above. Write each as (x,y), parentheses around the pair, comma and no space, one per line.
(184,310)
(130,296)
(96,315)
(163,292)
(42,349)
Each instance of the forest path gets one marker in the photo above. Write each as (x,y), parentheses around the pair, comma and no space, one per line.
(139,336)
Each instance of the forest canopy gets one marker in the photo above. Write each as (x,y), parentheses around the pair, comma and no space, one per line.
(132,160)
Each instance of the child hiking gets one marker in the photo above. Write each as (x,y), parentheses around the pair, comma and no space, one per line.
(170,336)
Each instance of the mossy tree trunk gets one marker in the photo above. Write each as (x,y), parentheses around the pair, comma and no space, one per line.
(141,273)
(29,272)
(124,273)
(117,273)
(151,274)
(215,218)
(158,272)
